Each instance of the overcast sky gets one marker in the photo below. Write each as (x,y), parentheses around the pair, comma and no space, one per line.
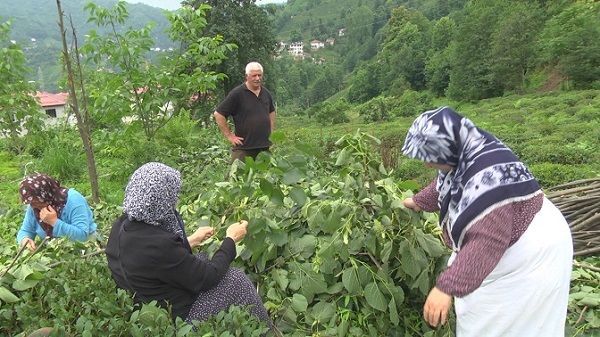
(174,4)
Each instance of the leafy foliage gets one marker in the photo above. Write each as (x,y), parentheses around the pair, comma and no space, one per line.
(245,25)
(329,251)
(18,108)
(147,93)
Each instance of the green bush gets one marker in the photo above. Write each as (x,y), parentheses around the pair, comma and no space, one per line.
(552,174)
(62,160)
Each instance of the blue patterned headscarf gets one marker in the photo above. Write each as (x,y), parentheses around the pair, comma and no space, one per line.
(486,174)
(151,196)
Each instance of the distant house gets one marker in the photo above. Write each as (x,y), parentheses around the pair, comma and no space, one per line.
(341,31)
(296,48)
(54,106)
(316,44)
(330,41)
(282,46)
(301,56)
(319,60)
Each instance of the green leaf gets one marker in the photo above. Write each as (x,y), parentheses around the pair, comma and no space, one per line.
(315,217)
(298,195)
(350,281)
(374,297)
(22,271)
(386,251)
(277,137)
(277,197)
(412,262)
(292,176)
(343,157)
(333,222)
(278,237)
(299,303)
(266,187)
(305,246)
(394,317)
(323,311)
(422,282)
(7,296)
(408,185)
(280,276)
(306,281)
(185,330)
(20,285)
(429,243)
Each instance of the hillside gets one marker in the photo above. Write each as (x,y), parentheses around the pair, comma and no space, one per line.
(35,28)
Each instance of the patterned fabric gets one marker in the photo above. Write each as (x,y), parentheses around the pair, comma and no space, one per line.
(43,188)
(234,289)
(485,175)
(151,196)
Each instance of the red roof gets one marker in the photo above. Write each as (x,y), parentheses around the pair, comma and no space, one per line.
(48,99)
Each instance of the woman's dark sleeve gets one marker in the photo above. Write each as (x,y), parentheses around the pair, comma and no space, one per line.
(184,270)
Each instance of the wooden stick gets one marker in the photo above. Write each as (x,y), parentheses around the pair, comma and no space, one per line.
(587,221)
(587,251)
(575,183)
(571,191)
(586,266)
(14,260)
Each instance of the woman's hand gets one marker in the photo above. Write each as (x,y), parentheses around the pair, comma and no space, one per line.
(48,215)
(436,307)
(29,243)
(410,203)
(200,235)
(237,231)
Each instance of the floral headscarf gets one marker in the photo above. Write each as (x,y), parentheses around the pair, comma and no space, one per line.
(43,188)
(486,174)
(151,196)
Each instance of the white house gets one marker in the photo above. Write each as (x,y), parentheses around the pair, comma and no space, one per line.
(54,106)
(316,44)
(296,48)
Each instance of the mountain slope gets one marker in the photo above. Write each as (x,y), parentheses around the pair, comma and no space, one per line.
(35,29)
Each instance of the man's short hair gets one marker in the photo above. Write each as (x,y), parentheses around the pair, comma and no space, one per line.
(253,66)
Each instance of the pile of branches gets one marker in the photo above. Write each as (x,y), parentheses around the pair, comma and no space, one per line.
(579,202)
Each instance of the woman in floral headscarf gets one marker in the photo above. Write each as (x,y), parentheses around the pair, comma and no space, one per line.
(511,259)
(150,255)
(53,211)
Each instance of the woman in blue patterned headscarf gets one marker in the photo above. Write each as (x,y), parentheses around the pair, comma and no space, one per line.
(511,247)
(150,255)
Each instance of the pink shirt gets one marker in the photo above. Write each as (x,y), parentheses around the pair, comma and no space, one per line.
(484,243)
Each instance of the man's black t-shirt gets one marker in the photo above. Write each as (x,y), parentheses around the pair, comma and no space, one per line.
(250,115)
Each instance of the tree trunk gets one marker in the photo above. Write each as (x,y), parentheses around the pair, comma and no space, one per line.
(82,118)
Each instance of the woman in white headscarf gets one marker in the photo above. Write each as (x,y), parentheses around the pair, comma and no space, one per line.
(150,255)
(511,260)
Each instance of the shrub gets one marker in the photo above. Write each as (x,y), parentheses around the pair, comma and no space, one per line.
(551,174)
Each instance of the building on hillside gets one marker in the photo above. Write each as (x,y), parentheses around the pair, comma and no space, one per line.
(330,41)
(301,57)
(54,106)
(282,46)
(316,44)
(341,31)
(296,48)
(320,60)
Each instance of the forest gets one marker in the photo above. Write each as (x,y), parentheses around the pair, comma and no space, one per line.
(330,247)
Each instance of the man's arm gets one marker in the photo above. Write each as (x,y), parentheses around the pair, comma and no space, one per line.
(272,118)
(222,123)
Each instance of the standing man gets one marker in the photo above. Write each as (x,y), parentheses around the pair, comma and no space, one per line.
(251,107)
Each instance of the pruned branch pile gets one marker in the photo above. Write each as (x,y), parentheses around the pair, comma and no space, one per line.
(579,201)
